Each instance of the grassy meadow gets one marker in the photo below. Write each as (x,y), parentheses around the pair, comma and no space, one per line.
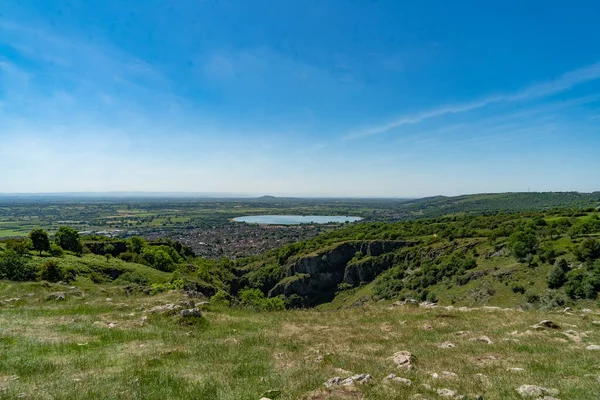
(100,343)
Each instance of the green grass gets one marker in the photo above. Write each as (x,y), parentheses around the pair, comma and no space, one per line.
(66,350)
(91,263)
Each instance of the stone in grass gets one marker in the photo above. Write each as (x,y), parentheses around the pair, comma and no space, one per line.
(360,379)
(58,296)
(169,309)
(403,359)
(546,324)
(483,339)
(187,304)
(533,391)
(333,382)
(593,347)
(188,313)
(397,379)
(447,345)
(444,375)
(446,393)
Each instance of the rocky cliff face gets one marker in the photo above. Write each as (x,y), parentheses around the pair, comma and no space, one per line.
(316,277)
(367,269)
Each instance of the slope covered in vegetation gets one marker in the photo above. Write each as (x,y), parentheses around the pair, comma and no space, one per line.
(494,202)
(536,258)
(489,305)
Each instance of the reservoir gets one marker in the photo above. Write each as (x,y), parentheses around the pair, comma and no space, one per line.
(295,219)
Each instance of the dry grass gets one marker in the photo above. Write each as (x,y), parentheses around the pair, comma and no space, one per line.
(68,350)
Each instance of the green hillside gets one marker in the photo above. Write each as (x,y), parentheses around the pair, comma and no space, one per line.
(494,202)
(485,304)
(502,260)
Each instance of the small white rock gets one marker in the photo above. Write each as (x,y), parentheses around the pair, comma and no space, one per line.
(397,379)
(447,345)
(483,339)
(533,391)
(446,393)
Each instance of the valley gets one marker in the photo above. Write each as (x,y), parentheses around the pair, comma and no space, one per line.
(410,303)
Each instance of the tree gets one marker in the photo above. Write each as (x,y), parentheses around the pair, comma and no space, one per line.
(556,277)
(109,249)
(136,244)
(68,239)
(162,261)
(522,243)
(588,250)
(40,240)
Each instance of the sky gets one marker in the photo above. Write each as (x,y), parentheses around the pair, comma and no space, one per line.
(299,97)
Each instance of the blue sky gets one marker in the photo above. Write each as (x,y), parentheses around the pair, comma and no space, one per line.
(299,97)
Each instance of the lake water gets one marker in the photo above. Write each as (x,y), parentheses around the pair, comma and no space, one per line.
(295,219)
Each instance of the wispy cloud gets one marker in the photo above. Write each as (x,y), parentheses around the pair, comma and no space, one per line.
(91,69)
(564,82)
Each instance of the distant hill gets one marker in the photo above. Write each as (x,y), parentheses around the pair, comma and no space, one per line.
(494,202)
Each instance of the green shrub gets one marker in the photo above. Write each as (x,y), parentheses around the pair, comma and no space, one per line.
(532,297)
(99,278)
(127,256)
(294,301)
(255,299)
(556,277)
(56,250)
(265,277)
(132,278)
(14,266)
(431,297)
(548,255)
(19,245)
(583,283)
(357,256)
(109,249)
(517,288)
(389,284)
(165,287)
(221,298)
(344,286)
(51,271)
(554,299)
(163,258)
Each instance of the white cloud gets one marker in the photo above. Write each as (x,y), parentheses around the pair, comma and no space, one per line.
(566,81)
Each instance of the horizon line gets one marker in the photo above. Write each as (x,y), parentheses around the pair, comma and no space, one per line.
(233,195)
